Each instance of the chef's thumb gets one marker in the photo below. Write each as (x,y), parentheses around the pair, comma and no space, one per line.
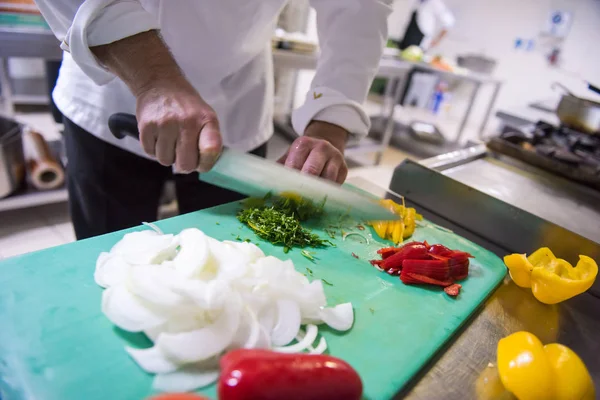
(210,145)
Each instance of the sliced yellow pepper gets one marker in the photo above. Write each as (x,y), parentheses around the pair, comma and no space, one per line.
(532,371)
(559,281)
(410,222)
(571,378)
(403,228)
(519,269)
(524,368)
(551,279)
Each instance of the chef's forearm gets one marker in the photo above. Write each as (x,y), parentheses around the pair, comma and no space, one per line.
(142,61)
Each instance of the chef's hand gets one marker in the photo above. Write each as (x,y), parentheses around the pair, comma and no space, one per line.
(178,127)
(175,124)
(319,152)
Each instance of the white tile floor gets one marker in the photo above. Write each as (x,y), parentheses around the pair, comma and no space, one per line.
(31,229)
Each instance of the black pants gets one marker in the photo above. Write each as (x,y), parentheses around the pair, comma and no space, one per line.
(112,189)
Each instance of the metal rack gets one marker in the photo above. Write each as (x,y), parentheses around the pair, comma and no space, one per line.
(24,43)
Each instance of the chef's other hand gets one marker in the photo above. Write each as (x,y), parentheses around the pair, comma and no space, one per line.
(319,152)
(178,127)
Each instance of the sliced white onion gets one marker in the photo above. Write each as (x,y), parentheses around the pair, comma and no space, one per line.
(267,316)
(184,380)
(251,251)
(321,347)
(153,227)
(200,344)
(254,332)
(210,295)
(193,253)
(111,270)
(152,360)
(146,247)
(153,332)
(305,342)
(196,297)
(127,311)
(149,282)
(340,317)
(288,323)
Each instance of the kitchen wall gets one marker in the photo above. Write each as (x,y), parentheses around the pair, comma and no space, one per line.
(490,27)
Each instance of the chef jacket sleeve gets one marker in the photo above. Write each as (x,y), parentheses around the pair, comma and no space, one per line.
(352,34)
(443,14)
(80,25)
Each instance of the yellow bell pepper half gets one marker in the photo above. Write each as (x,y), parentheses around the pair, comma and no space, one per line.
(403,228)
(551,279)
(532,371)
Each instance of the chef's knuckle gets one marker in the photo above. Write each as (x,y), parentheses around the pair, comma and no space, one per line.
(303,142)
(324,146)
(312,169)
(209,116)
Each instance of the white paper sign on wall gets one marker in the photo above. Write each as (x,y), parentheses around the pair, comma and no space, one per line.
(558,23)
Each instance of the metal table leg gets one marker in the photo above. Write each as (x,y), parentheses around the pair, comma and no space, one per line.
(489,109)
(6,89)
(463,124)
(390,123)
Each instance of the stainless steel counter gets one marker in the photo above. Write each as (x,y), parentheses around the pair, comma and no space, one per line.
(469,192)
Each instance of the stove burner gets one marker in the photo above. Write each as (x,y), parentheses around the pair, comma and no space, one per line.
(561,149)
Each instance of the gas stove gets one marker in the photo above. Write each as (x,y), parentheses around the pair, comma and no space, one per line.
(564,151)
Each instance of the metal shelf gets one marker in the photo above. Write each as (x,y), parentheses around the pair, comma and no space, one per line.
(30,99)
(31,198)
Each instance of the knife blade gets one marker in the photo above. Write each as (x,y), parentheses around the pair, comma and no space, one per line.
(256,177)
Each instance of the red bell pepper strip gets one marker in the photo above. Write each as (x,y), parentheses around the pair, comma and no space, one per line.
(453,290)
(409,278)
(416,251)
(261,374)
(440,250)
(435,269)
(459,270)
(387,252)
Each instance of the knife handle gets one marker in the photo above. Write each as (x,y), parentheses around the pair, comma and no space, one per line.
(123,124)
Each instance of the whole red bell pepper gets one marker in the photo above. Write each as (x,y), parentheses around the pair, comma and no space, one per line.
(248,374)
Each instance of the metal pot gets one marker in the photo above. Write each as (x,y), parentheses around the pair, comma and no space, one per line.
(578,113)
(12,160)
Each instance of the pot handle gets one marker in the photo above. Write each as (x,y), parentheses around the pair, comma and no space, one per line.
(560,87)
(593,88)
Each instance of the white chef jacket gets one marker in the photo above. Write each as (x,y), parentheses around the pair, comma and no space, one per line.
(432,16)
(223,48)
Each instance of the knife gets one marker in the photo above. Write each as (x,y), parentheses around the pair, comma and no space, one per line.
(256,177)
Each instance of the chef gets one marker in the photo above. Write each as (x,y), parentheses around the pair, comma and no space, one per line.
(199,76)
(428,25)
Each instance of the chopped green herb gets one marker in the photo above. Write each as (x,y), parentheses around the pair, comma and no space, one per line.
(299,207)
(309,271)
(325,282)
(331,233)
(308,254)
(372,310)
(247,240)
(216,223)
(278,228)
(238,238)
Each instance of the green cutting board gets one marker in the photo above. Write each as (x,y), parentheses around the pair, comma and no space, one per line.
(55,344)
